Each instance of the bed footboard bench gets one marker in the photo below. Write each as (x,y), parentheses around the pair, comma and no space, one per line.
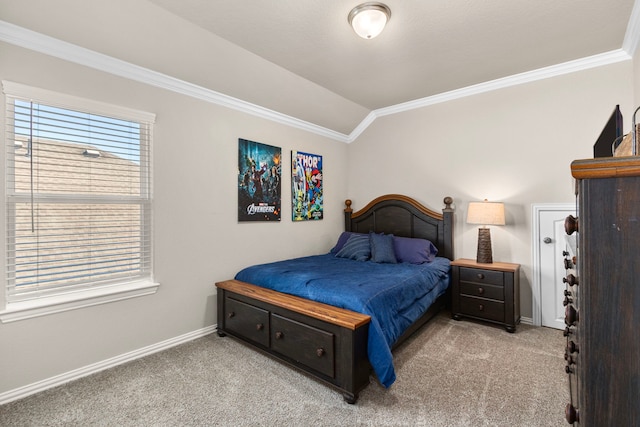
(327,342)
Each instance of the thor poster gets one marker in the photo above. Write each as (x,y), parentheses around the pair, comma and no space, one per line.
(306,186)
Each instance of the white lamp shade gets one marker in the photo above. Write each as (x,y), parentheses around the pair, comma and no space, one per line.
(486,213)
(369,19)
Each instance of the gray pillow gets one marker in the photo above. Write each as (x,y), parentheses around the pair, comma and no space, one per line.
(382,248)
(357,247)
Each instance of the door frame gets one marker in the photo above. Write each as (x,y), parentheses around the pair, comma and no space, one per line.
(536,285)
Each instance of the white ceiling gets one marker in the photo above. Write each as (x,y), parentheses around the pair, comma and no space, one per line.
(429,46)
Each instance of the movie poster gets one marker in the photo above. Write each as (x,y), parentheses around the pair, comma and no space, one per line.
(306,186)
(259,173)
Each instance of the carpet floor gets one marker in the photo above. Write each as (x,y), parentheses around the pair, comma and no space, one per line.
(450,373)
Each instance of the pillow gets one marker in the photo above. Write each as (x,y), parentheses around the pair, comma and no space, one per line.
(414,251)
(357,247)
(382,249)
(341,241)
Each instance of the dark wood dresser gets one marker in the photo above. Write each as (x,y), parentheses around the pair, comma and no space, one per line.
(603,302)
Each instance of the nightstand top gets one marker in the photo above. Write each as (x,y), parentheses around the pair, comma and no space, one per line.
(498,266)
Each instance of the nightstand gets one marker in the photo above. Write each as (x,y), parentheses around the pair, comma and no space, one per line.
(489,292)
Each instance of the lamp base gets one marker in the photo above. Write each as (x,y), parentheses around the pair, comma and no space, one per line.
(484,246)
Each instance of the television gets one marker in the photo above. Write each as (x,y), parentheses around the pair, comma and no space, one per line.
(610,135)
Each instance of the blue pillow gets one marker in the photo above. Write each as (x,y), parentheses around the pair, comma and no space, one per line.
(357,247)
(382,249)
(341,241)
(414,251)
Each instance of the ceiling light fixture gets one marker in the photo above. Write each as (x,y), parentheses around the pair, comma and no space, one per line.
(368,19)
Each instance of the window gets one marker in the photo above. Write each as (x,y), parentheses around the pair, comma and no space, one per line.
(78,195)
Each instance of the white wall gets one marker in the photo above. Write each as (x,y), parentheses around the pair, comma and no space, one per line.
(513,145)
(198,240)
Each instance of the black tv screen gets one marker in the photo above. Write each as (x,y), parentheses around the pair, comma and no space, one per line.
(611,132)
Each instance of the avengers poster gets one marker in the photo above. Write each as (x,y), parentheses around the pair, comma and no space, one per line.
(259,172)
(306,186)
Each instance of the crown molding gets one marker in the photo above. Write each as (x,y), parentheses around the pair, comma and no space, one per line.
(632,35)
(364,124)
(514,80)
(38,42)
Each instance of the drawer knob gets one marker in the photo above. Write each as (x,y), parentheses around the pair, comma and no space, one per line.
(570,315)
(259,327)
(480,276)
(279,335)
(568,265)
(571,280)
(231,314)
(320,352)
(570,224)
(569,358)
(572,347)
(480,307)
(481,291)
(571,414)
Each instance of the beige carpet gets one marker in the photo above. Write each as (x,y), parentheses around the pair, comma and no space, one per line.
(449,374)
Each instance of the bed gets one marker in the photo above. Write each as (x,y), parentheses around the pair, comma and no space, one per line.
(324,314)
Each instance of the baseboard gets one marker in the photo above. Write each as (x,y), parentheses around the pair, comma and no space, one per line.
(526,320)
(57,380)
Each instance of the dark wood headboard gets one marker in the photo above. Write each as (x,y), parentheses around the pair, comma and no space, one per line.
(403,216)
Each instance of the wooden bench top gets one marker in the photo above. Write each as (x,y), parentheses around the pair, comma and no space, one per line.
(327,313)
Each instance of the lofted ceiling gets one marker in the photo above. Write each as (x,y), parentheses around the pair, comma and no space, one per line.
(429,47)
(300,63)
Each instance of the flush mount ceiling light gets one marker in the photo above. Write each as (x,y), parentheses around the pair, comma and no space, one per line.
(368,19)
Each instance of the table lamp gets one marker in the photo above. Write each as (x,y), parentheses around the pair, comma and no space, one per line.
(485,213)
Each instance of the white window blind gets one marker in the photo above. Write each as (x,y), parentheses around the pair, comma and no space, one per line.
(78,195)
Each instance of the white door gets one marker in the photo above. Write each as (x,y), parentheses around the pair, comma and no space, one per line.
(550,245)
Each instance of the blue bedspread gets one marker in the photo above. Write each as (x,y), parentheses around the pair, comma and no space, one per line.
(394,295)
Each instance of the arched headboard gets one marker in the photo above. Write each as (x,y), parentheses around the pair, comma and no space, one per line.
(403,216)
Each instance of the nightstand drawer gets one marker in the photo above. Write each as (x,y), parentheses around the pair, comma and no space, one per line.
(482,290)
(477,275)
(482,308)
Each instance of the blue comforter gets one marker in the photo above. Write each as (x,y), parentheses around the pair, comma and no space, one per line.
(394,295)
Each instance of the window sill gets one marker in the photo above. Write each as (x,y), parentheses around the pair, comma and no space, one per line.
(59,303)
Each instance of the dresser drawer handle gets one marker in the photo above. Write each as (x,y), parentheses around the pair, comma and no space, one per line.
(570,280)
(571,414)
(571,225)
(259,327)
(481,291)
(231,314)
(480,276)
(279,335)
(481,307)
(320,352)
